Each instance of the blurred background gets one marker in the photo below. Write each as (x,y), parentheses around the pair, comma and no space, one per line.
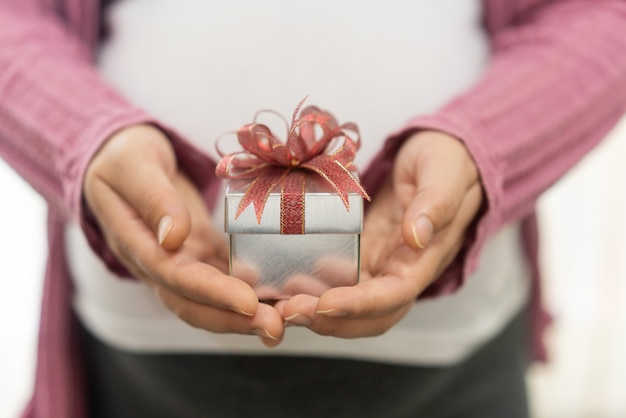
(583,258)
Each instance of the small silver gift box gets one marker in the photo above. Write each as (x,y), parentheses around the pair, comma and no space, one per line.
(279,266)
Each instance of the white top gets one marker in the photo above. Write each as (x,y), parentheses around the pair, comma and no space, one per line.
(205,67)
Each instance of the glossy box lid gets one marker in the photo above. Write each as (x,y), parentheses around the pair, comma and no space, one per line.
(324,210)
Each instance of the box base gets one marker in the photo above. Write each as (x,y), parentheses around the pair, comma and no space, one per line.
(280,266)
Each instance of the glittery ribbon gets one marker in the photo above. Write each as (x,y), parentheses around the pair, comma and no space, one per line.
(316,143)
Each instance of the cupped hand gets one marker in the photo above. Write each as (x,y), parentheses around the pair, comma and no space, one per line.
(156,223)
(414,228)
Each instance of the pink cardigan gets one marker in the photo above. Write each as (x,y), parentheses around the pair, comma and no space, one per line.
(555,86)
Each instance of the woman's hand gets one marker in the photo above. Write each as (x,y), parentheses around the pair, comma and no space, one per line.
(414,228)
(155,222)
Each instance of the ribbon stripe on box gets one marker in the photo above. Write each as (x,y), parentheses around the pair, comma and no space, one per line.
(268,163)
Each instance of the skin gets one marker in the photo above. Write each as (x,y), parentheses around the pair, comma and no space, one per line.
(155,221)
(434,177)
(131,185)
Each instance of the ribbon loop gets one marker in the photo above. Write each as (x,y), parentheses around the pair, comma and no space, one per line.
(315,142)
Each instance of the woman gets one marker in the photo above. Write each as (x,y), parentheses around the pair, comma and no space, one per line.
(465,178)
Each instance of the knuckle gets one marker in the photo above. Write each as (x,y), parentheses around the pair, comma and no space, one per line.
(166,272)
(186,314)
(151,202)
(331,328)
(377,331)
(118,246)
(325,331)
(444,208)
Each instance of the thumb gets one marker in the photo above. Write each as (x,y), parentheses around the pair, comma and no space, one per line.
(162,208)
(139,164)
(430,211)
(433,188)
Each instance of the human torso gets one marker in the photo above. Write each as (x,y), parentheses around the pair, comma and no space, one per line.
(205,68)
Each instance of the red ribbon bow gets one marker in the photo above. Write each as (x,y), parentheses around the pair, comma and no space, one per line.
(270,162)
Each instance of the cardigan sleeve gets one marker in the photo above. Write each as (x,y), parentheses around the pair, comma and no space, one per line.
(555,85)
(56,112)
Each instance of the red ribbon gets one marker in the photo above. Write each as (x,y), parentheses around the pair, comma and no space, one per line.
(269,162)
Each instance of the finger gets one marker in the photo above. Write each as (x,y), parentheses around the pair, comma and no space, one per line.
(130,239)
(149,190)
(381,232)
(204,241)
(266,322)
(268,293)
(428,264)
(406,273)
(301,310)
(302,283)
(373,306)
(336,271)
(139,164)
(245,271)
(458,230)
(435,192)
(373,298)
(328,272)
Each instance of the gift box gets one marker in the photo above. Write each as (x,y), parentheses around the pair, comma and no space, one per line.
(294,210)
(280,265)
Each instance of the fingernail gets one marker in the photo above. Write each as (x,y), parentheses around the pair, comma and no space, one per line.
(297,319)
(164,228)
(240,310)
(422,231)
(335,313)
(264,333)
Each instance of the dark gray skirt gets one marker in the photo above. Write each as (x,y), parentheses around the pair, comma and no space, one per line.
(490,383)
